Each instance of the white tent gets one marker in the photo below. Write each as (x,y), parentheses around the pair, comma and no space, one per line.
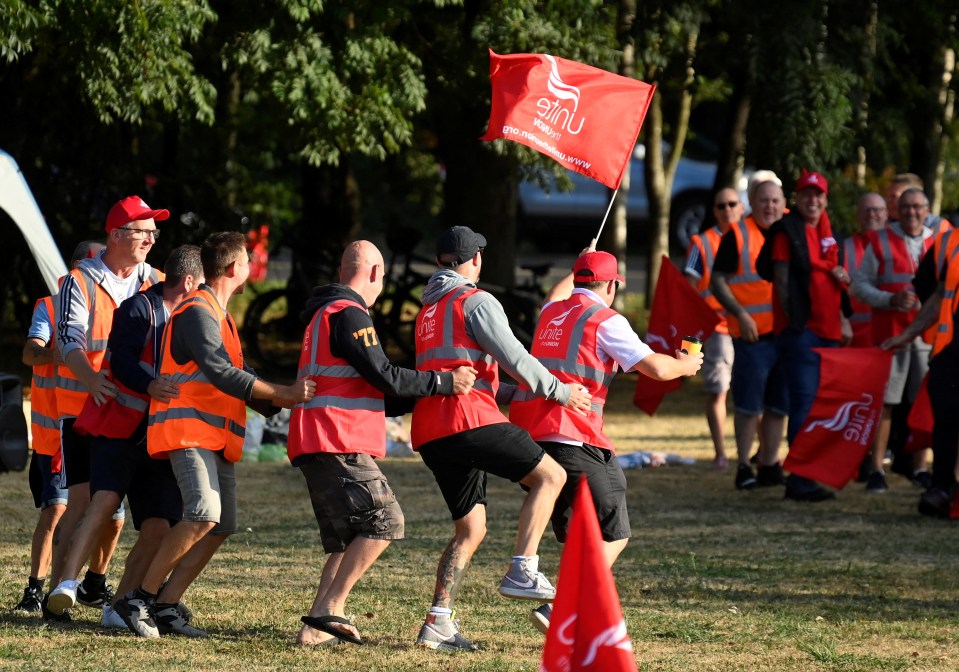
(17,200)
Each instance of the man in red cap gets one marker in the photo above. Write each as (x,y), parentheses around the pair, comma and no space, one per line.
(808,281)
(84,311)
(581,340)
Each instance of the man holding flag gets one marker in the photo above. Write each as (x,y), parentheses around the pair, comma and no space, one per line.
(581,340)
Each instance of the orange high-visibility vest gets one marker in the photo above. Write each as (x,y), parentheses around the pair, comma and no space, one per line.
(753,293)
(348,414)
(442,344)
(707,243)
(201,416)
(44,419)
(945,328)
(896,269)
(565,343)
(71,393)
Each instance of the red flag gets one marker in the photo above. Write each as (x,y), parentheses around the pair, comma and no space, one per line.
(587,630)
(585,118)
(920,420)
(840,427)
(678,310)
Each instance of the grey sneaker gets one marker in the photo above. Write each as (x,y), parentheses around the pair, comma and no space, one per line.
(540,616)
(136,614)
(170,621)
(111,619)
(62,597)
(440,633)
(524,581)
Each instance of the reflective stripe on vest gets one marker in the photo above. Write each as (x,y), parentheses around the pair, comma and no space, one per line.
(442,344)
(895,271)
(708,243)
(574,361)
(71,393)
(348,414)
(44,422)
(754,294)
(201,416)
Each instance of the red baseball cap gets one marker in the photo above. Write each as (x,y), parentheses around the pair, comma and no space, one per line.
(132,209)
(808,179)
(596,267)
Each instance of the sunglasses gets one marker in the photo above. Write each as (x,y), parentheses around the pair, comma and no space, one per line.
(727,204)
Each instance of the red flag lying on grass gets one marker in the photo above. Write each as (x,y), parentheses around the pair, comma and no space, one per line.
(585,118)
(678,310)
(920,420)
(840,427)
(587,629)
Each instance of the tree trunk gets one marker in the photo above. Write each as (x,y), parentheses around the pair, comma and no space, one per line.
(480,193)
(862,112)
(659,175)
(733,148)
(614,234)
(947,97)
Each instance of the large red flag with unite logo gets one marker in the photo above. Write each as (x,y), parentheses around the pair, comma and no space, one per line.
(678,310)
(840,427)
(587,630)
(585,118)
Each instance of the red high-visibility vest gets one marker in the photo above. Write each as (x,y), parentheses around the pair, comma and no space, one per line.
(565,343)
(854,247)
(895,272)
(442,344)
(348,414)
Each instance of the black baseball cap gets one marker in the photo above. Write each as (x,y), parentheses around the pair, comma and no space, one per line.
(461,241)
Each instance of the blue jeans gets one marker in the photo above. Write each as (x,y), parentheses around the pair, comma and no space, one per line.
(757,382)
(800,367)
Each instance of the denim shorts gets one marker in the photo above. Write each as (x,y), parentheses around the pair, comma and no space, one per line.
(47,488)
(207,482)
(758,383)
(351,498)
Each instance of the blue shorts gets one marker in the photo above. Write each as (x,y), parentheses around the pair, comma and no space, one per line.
(47,488)
(758,383)
(126,468)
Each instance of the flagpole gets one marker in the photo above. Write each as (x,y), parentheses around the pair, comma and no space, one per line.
(608,208)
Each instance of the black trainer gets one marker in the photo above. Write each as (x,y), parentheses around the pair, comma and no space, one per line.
(745,479)
(800,489)
(95,597)
(30,604)
(922,479)
(65,617)
(935,502)
(770,475)
(876,483)
(137,613)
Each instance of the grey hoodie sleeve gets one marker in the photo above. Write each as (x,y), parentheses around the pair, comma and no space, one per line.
(486,323)
(196,336)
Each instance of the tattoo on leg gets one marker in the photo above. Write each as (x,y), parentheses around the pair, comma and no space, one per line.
(449,575)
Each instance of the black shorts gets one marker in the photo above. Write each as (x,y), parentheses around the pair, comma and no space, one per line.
(460,462)
(351,498)
(126,468)
(607,483)
(76,454)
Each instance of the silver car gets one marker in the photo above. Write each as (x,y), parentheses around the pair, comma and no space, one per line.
(588,199)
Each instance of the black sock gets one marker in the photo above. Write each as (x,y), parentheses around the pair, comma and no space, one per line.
(35,583)
(94,582)
(141,594)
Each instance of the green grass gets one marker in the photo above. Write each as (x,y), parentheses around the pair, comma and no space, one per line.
(714,579)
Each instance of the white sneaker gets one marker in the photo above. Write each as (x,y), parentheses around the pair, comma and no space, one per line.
(524,581)
(63,597)
(111,619)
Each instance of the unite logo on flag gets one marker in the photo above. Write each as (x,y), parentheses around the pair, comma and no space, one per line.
(585,118)
(855,420)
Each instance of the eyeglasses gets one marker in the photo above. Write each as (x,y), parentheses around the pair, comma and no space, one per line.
(617,284)
(874,211)
(913,206)
(727,204)
(140,234)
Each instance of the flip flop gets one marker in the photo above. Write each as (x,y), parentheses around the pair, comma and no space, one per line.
(324,624)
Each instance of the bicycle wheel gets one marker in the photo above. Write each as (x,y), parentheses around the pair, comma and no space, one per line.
(395,322)
(273,332)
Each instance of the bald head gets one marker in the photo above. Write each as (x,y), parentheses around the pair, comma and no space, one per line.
(361,269)
(871,212)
